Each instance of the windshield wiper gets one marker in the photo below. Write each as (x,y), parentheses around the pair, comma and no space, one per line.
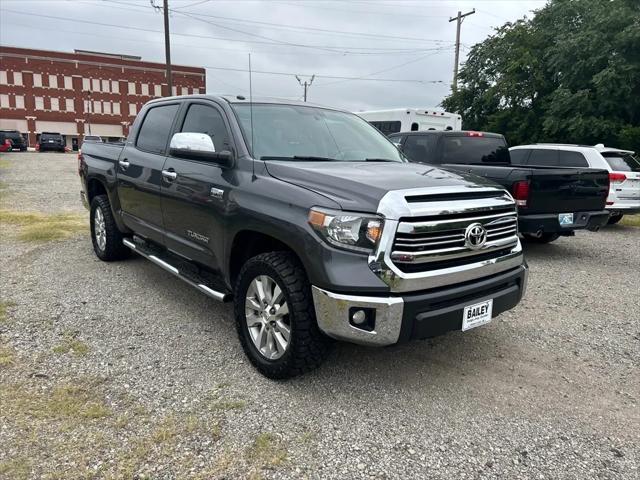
(379,160)
(305,158)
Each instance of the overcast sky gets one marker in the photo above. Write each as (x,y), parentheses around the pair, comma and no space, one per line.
(379,41)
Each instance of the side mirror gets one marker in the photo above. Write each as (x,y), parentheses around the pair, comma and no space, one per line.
(198,146)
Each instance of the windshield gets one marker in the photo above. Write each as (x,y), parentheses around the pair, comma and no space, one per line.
(622,162)
(474,149)
(293,132)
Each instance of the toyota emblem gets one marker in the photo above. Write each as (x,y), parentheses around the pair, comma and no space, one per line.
(475,236)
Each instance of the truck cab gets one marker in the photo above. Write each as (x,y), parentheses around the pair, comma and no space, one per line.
(309,220)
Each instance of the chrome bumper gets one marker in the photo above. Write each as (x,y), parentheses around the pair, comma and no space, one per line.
(332,313)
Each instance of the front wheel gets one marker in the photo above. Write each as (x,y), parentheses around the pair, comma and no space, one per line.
(275,317)
(541,238)
(613,219)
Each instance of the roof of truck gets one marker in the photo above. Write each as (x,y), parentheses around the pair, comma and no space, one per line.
(245,99)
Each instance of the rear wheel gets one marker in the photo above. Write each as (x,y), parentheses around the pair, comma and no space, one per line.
(105,236)
(541,238)
(275,317)
(613,219)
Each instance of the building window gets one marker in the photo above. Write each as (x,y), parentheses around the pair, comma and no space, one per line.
(97,106)
(55,104)
(196,91)
(105,85)
(132,109)
(115,86)
(39,103)
(3,77)
(17,78)
(20,102)
(145,88)
(53,81)
(95,84)
(132,88)
(106,108)
(174,90)
(157,90)
(68,83)
(86,84)
(116,108)
(37,80)
(69,105)
(185,91)
(4,101)
(87,106)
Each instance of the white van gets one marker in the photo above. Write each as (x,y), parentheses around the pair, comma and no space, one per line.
(411,120)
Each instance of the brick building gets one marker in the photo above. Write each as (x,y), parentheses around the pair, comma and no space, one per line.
(82,92)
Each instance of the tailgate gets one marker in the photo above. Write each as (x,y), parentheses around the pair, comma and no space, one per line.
(565,190)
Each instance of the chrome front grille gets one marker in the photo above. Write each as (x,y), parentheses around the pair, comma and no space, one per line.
(439,238)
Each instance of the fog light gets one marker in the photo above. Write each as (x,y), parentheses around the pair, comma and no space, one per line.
(359,317)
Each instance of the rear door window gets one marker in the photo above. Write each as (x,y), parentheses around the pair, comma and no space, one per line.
(420,148)
(155,128)
(397,140)
(519,156)
(469,150)
(622,162)
(544,157)
(571,159)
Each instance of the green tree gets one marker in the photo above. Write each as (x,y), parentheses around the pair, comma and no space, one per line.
(570,74)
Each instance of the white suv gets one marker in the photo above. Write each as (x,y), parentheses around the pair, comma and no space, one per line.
(623,167)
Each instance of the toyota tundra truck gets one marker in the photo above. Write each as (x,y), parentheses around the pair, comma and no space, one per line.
(309,220)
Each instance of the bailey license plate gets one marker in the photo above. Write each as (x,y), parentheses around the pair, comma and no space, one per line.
(476,315)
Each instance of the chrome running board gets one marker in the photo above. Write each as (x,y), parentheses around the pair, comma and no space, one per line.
(210,292)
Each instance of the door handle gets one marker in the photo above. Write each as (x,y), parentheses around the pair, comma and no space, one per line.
(124,164)
(169,175)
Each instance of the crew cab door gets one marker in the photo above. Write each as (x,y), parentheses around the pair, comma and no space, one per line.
(195,199)
(139,172)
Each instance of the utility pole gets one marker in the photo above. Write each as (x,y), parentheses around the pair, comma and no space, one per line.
(167,46)
(458,19)
(305,84)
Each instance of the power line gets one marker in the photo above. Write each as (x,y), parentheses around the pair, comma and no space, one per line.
(334,49)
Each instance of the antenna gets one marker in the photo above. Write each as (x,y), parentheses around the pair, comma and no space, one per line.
(253,147)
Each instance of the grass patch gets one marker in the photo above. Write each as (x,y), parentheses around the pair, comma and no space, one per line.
(630,220)
(7,356)
(71,402)
(4,307)
(38,227)
(18,468)
(73,345)
(4,163)
(267,451)
(226,405)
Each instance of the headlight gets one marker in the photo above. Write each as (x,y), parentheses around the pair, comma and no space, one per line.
(352,231)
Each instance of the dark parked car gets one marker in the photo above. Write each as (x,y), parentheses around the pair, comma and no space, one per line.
(552,201)
(51,141)
(309,219)
(16,138)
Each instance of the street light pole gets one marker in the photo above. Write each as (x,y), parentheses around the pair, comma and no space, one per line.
(305,84)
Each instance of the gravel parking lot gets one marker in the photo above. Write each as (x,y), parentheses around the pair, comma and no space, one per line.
(122,371)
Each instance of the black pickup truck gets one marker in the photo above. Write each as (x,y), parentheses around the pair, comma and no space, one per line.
(309,219)
(552,201)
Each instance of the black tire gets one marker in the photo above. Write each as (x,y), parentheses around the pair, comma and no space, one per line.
(613,219)
(543,238)
(308,346)
(114,249)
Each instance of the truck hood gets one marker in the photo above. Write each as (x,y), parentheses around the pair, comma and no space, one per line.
(359,186)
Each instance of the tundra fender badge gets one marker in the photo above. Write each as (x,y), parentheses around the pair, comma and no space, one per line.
(475,236)
(197,236)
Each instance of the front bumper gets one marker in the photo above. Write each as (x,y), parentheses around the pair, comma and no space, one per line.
(415,315)
(549,223)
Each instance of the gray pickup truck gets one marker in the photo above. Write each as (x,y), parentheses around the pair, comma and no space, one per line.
(309,220)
